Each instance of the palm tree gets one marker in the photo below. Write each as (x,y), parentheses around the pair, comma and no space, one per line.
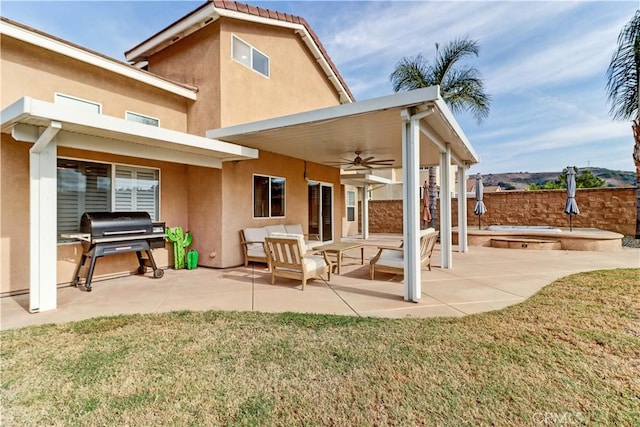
(623,86)
(461,87)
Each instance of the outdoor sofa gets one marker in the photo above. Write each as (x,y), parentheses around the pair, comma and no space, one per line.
(252,240)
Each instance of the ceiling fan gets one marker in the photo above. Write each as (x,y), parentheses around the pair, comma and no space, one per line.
(359,163)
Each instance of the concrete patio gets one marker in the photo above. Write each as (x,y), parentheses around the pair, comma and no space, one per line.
(482,279)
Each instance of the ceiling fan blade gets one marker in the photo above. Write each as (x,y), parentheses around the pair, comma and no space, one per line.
(368,159)
(381,161)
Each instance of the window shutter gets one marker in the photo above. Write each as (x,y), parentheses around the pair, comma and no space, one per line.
(69,199)
(137,190)
(124,189)
(82,187)
(146,192)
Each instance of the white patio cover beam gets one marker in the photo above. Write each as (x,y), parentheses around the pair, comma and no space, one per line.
(439,143)
(445,208)
(42,221)
(462,209)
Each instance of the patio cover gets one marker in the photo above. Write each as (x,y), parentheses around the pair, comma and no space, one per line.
(415,128)
(49,126)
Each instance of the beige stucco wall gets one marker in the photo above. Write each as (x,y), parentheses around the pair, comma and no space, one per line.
(213,204)
(230,93)
(14,215)
(296,82)
(31,71)
(237,187)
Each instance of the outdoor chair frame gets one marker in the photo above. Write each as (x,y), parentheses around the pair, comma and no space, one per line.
(287,258)
(377,263)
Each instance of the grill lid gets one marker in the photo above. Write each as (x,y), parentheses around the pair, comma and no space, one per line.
(112,224)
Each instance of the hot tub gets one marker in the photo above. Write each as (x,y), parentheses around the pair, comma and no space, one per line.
(531,228)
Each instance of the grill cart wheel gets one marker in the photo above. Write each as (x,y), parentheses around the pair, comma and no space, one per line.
(158,273)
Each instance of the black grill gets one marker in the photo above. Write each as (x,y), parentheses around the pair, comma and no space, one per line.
(109,233)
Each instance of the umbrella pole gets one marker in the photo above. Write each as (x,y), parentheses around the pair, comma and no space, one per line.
(570,222)
(479,221)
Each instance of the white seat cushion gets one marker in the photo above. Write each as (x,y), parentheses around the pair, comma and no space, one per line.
(255,235)
(391,258)
(314,263)
(279,228)
(294,229)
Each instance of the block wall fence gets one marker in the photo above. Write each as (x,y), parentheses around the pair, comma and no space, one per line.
(612,209)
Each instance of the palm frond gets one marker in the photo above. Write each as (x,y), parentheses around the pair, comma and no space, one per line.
(411,73)
(461,87)
(623,74)
(451,54)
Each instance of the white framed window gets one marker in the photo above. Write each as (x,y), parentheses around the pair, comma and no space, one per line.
(351,205)
(77,103)
(136,189)
(268,196)
(141,118)
(85,186)
(249,56)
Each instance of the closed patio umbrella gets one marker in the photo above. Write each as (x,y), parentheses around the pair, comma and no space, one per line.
(426,213)
(480,209)
(571,207)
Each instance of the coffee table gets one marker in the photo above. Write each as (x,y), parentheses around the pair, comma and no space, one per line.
(338,249)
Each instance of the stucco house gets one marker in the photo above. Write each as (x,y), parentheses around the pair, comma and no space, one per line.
(226,119)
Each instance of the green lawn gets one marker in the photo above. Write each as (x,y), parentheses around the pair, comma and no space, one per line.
(568,356)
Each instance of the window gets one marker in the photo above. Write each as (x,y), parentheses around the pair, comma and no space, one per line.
(139,118)
(98,187)
(136,189)
(351,205)
(77,103)
(268,196)
(249,56)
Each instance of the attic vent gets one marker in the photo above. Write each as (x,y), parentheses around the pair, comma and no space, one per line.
(208,20)
(175,39)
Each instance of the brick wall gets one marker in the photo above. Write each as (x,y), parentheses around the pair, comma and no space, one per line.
(612,209)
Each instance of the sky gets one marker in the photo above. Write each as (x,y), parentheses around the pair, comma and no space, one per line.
(543,62)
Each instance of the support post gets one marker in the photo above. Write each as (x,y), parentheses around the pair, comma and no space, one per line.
(43,225)
(445,208)
(462,209)
(365,211)
(411,203)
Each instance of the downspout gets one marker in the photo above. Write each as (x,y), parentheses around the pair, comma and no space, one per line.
(43,220)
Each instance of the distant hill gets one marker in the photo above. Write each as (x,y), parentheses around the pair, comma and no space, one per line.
(521,180)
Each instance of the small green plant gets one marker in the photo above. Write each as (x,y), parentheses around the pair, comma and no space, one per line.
(180,241)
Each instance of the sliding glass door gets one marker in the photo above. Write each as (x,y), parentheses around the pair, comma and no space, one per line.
(321,210)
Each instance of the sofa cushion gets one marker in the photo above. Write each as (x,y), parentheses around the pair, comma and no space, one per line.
(391,258)
(279,228)
(255,235)
(294,229)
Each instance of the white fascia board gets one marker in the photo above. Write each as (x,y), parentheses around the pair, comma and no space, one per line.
(28,107)
(362,179)
(398,100)
(181,29)
(93,59)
